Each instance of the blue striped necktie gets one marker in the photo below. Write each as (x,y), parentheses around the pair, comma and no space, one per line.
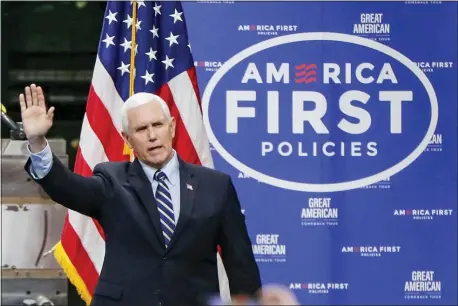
(165,207)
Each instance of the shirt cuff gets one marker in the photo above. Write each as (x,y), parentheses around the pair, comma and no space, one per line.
(41,162)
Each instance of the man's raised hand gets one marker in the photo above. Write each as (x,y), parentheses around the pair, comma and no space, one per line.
(35,119)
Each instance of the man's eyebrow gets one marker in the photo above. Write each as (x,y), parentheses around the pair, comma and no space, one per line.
(148,123)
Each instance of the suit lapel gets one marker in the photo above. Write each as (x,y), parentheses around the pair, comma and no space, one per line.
(188,189)
(142,187)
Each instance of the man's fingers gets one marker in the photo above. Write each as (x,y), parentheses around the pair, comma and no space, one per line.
(33,88)
(22,103)
(51,112)
(28,96)
(41,97)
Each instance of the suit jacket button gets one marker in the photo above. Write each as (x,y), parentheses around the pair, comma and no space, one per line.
(165,259)
(157,292)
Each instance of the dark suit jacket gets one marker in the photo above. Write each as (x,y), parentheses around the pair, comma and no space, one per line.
(138,270)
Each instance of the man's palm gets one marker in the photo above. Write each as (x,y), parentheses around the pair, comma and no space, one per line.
(35,119)
(36,122)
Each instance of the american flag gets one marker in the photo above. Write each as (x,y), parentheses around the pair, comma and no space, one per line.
(143,47)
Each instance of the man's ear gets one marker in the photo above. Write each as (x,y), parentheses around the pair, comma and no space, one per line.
(125,137)
(173,126)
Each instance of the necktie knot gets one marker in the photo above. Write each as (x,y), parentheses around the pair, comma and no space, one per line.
(160,176)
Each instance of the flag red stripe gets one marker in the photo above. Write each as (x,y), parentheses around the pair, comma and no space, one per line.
(102,125)
(193,76)
(79,257)
(182,142)
(81,167)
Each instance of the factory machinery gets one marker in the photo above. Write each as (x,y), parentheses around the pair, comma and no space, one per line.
(31,225)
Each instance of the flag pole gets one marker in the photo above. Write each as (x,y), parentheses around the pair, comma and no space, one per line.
(127,150)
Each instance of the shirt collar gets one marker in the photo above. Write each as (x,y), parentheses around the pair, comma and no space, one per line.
(170,169)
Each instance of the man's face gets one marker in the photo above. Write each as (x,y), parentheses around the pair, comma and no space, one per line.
(150,134)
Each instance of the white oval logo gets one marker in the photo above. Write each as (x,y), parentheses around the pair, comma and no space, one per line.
(306,76)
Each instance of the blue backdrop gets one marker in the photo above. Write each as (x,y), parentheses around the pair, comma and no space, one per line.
(338,122)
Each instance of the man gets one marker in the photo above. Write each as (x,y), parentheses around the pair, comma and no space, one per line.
(162,217)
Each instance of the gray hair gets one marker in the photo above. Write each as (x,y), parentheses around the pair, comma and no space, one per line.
(140,99)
